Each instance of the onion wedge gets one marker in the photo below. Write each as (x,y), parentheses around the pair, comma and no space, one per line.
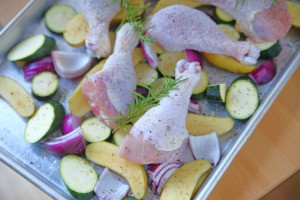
(206,147)
(71,64)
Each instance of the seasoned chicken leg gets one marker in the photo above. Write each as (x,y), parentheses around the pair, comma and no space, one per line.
(261,20)
(109,91)
(179,27)
(160,135)
(99,13)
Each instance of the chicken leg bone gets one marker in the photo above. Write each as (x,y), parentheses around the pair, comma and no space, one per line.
(99,13)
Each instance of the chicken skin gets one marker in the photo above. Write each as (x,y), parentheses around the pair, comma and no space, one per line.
(260,20)
(109,90)
(160,135)
(178,27)
(99,13)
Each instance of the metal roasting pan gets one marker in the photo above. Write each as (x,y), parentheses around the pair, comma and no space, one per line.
(40,167)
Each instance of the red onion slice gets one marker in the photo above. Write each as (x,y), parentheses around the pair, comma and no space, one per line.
(194,107)
(72,143)
(33,68)
(193,56)
(70,122)
(264,73)
(149,54)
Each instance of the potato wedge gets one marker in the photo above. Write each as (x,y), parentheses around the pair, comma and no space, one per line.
(105,154)
(200,182)
(119,17)
(158,48)
(78,105)
(202,124)
(137,56)
(165,3)
(294,11)
(167,62)
(183,182)
(76,31)
(20,100)
(228,63)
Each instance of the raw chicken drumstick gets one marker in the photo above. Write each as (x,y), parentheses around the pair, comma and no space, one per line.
(179,27)
(99,13)
(261,20)
(160,135)
(109,90)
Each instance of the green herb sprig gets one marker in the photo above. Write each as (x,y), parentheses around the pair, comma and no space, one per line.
(142,104)
(138,24)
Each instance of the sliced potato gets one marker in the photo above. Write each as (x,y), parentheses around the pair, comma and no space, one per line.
(76,31)
(20,100)
(167,62)
(231,32)
(78,104)
(158,48)
(200,182)
(105,154)
(119,17)
(294,11)
(202,124)
(183,182)
(228,63)
(137,56)
(165,3)
(145,74)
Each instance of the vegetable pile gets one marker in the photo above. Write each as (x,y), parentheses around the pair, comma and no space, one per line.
(82,138)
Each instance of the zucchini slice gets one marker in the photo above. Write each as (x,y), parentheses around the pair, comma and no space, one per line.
(242,98)
(216,92)
(200,88)
(231,32)
(58,16)
(44,85)
(159,83)
(19,99)
(94,130)
(120,134)
(222,17)
(268,50)
(79,176)
(31,48)
(46,120)
(167,62)
(145,74)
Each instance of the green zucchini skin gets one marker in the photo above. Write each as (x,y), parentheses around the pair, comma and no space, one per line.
(83,164)
(199,90)
(47,46)
(249,103)
(221,17)
(54,124)
(271,52)
(58,16)
(44,76)
(216,92)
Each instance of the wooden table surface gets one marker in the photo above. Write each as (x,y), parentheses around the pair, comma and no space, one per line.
(269,157)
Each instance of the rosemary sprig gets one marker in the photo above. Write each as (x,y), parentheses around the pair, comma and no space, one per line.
(138,24)
(142,104)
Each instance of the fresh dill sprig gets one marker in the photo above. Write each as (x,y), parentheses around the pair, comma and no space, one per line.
(142,104)
(138,24)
